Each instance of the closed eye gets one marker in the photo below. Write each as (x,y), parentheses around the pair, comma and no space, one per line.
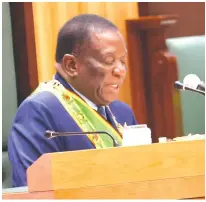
(109,60)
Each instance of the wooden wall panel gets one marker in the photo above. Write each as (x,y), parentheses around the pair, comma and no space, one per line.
(191,16)
(153,72)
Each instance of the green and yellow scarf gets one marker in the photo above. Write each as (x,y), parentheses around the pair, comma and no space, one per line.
(85,117)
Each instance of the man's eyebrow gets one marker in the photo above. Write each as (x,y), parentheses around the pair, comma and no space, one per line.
(112,52)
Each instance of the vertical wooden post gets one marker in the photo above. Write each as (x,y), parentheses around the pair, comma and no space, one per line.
(153,71)
(24,48)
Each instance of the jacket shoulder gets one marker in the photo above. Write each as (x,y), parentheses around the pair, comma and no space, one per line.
(120,105)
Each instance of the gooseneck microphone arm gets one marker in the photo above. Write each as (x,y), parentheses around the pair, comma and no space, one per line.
(179,85)
(52,134)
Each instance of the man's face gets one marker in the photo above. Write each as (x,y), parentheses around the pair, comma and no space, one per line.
(101,67)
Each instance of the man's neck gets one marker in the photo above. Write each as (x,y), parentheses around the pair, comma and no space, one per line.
(90,103)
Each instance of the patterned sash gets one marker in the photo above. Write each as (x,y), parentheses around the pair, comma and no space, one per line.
(85,117)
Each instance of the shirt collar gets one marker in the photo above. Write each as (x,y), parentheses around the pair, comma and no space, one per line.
(69,86)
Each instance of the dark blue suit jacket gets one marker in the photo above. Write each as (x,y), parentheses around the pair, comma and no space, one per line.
(42,112)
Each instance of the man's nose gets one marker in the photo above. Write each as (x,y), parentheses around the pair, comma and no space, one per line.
(119,70)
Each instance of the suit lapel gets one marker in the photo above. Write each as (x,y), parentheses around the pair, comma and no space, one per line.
(110,119)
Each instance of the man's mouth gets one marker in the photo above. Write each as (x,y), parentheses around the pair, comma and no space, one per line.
(115,86)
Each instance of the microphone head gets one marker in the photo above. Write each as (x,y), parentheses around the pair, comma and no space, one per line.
(48,134)
(178,85)
(192,81)
(201,86)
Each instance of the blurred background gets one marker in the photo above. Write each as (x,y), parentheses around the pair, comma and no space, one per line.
(166,41)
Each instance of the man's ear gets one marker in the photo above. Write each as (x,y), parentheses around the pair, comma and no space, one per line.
(69,65)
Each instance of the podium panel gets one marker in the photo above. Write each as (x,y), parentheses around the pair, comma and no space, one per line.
(173,170)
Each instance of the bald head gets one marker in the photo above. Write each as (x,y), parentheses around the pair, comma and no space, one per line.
(77,31)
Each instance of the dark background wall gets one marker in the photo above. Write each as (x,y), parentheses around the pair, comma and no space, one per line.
(191,16)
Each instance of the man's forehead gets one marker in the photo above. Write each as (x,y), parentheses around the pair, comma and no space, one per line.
(107,38)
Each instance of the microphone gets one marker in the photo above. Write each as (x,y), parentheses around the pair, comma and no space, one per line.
(201,87)
(178,85)
(52,134)
(194,82)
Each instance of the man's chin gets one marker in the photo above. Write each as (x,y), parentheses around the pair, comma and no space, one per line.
(107,100)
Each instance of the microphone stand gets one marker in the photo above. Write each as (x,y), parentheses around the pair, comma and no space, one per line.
(52,134)
(180,86)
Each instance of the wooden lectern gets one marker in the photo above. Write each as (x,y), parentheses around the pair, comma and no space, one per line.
(173,170)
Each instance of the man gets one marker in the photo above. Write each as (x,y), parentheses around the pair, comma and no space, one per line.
(90,64)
